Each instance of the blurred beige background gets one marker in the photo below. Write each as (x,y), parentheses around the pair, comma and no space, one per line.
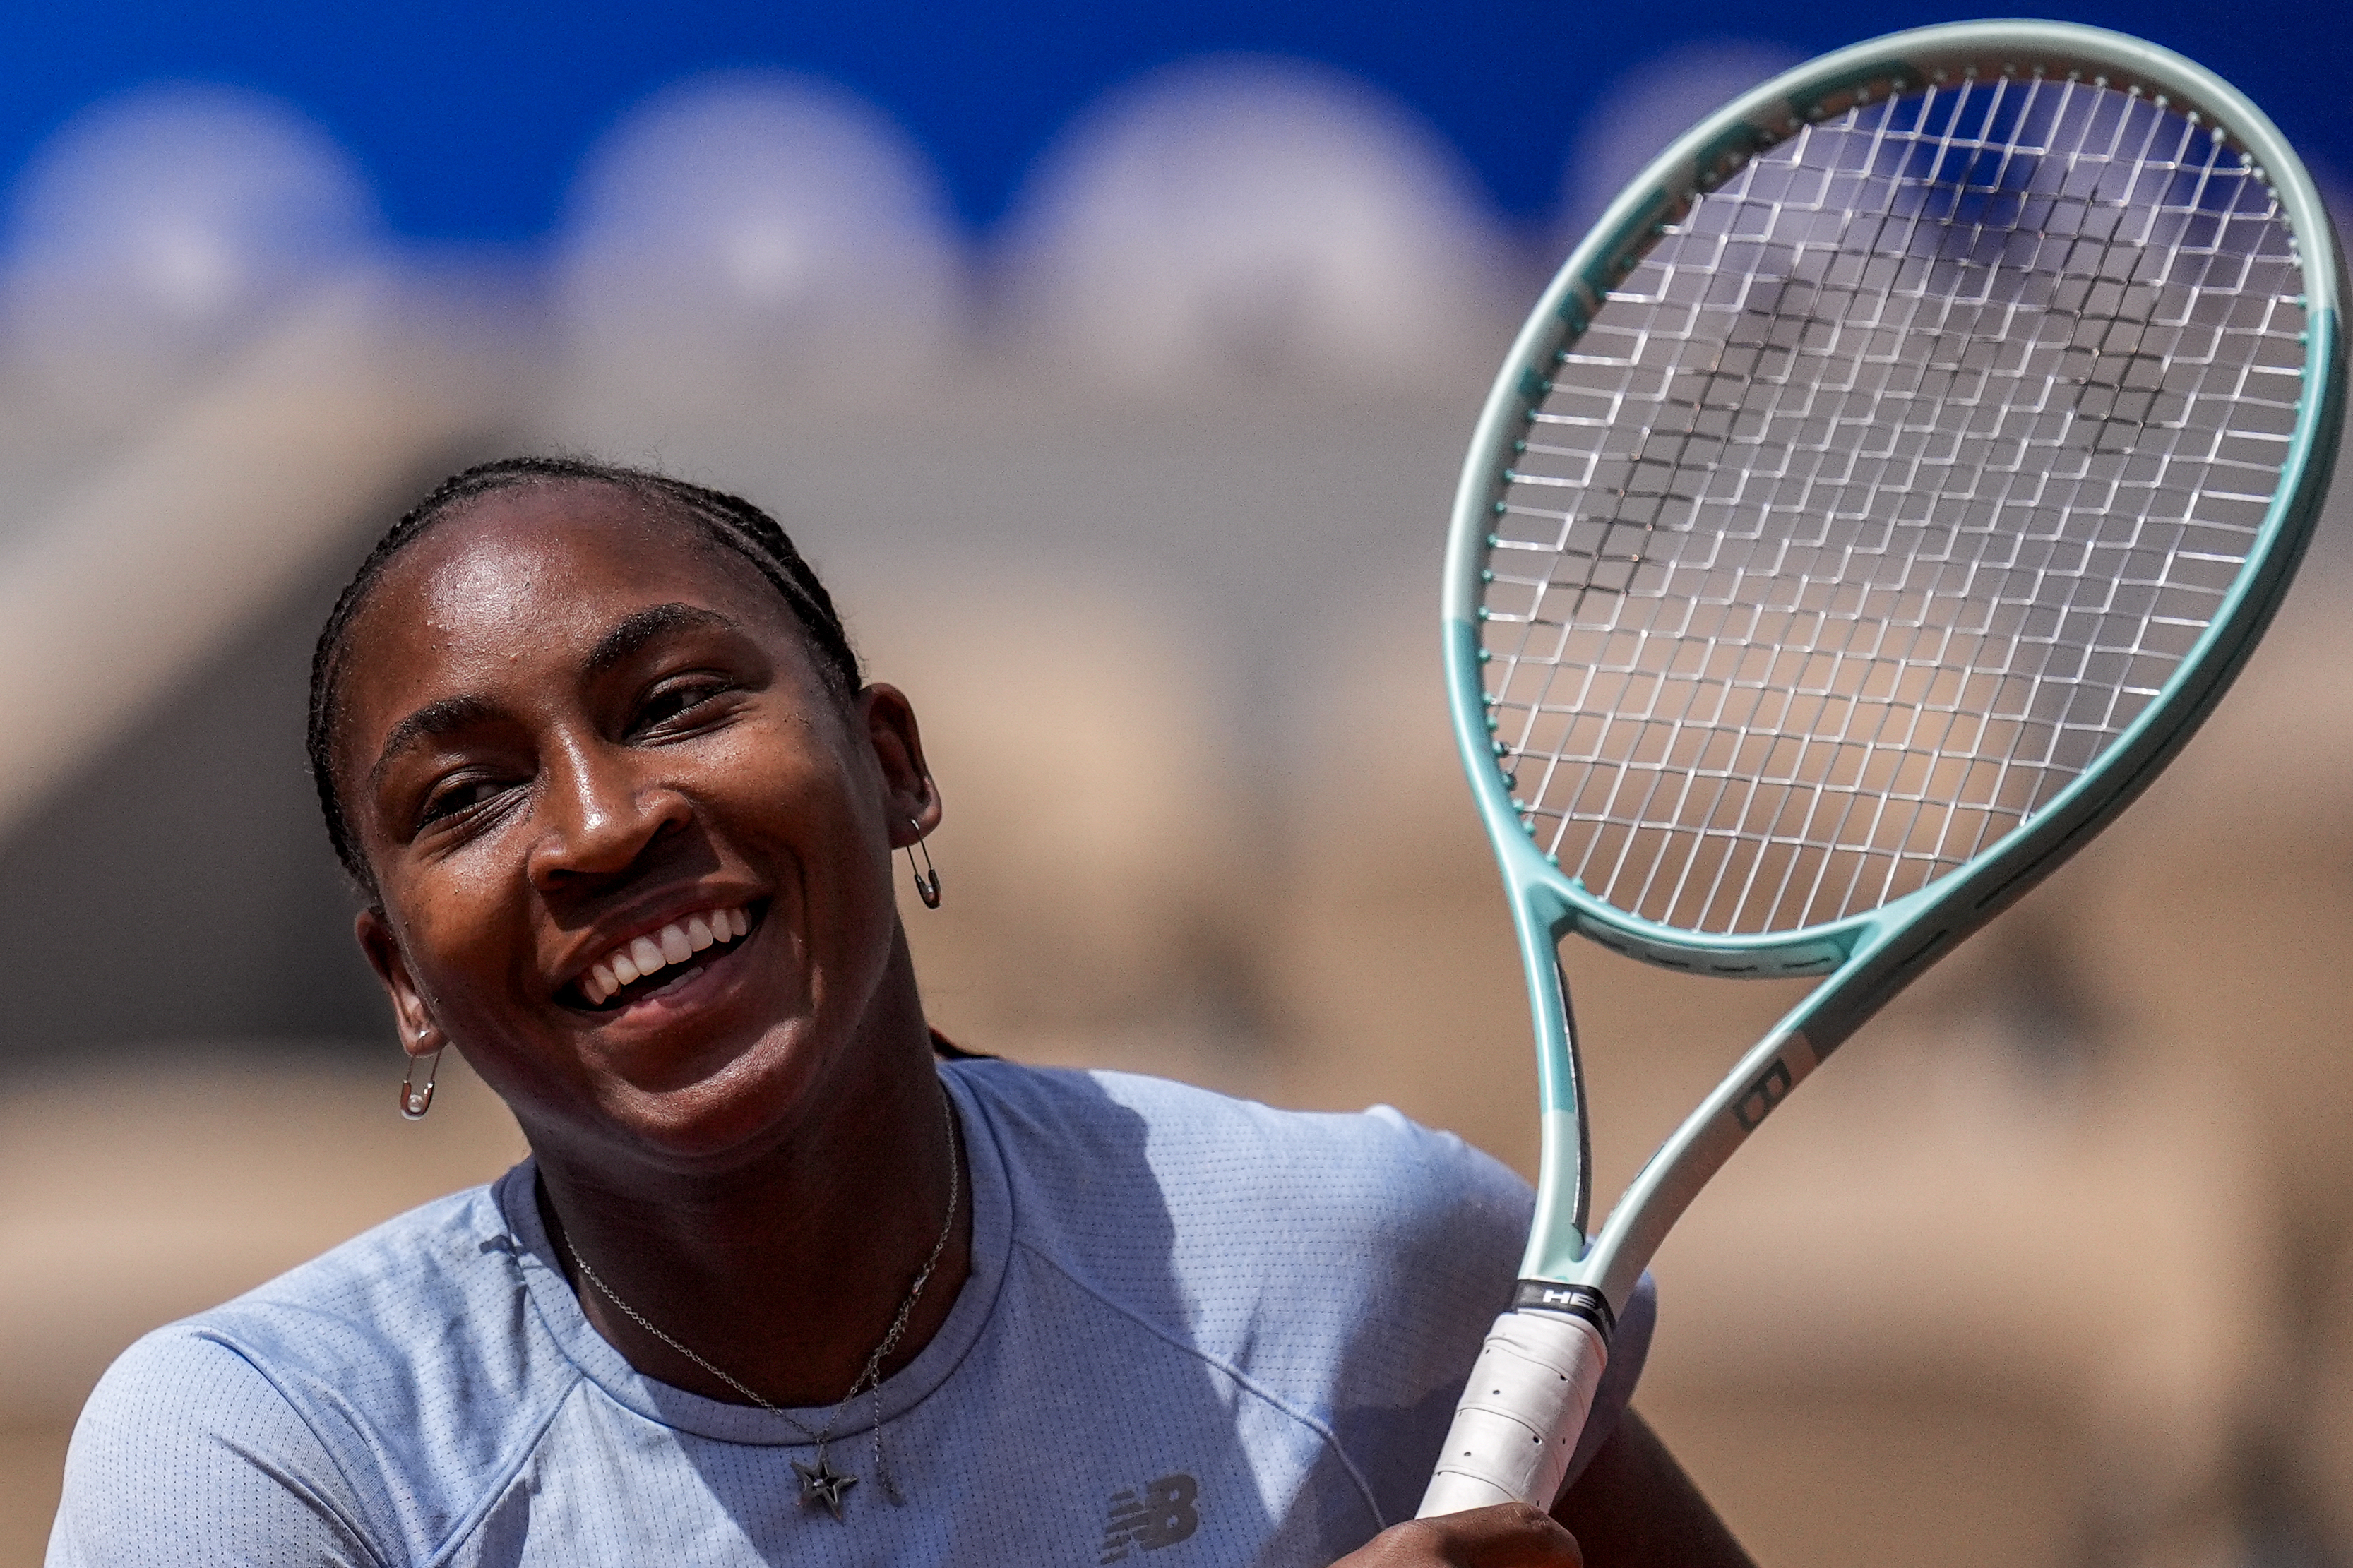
(1142,502)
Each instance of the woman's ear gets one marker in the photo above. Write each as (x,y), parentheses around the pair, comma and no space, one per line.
(419,1035)
(912,800)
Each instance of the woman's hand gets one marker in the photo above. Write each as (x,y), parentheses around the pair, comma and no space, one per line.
(1508,1535)
(1633,1505)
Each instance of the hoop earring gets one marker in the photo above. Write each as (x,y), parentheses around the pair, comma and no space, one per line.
(414,1101)
(927,880)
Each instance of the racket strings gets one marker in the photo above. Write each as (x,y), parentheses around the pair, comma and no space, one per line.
(1884,494)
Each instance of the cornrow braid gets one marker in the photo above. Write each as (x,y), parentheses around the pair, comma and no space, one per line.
(730,520)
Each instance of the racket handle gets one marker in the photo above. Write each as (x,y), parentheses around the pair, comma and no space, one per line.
(1518,1422)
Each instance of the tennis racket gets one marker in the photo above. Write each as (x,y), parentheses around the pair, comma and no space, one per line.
(1877,500)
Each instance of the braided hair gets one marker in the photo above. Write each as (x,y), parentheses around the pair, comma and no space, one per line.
(730,520)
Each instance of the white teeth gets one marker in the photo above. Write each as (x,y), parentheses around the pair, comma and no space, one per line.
(674,943)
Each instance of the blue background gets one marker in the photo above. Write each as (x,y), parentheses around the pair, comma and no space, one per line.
(470,117)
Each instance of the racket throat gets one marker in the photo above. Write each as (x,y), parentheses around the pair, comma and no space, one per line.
(1557,1240)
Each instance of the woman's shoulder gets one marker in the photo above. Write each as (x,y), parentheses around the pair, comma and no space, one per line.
(374,1343)
(1199,1135)
(427,1266)
(1107,1160)
(384,1381)
(1336,1263)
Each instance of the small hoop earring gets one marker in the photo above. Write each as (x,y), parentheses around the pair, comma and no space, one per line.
(414,1101)
(927,880)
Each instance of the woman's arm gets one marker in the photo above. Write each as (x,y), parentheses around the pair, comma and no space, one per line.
(1632,1508)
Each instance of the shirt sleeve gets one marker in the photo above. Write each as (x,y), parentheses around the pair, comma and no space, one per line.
(186,1455)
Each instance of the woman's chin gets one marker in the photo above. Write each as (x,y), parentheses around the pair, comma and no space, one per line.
(719,1099)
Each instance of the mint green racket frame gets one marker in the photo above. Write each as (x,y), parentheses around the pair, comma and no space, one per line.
(1869,957)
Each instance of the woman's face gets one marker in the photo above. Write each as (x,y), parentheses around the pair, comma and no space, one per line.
(579,739)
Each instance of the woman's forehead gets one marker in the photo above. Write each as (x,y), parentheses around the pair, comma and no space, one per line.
(571,550)
(521,577)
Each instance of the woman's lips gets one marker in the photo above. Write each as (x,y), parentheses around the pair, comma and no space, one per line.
(651,963)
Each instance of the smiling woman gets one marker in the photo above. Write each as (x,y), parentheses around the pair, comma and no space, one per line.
(785,1277)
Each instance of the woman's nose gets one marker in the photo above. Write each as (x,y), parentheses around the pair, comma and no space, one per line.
(599,815)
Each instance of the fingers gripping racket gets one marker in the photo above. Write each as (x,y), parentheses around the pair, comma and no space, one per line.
(1878,499)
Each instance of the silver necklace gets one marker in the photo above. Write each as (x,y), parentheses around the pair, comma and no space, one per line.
(821,1484)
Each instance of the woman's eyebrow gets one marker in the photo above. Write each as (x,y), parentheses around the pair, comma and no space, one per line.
(630,633)
(642,626)
(450,713)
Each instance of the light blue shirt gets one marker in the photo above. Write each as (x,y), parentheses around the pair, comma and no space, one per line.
(1196,1332)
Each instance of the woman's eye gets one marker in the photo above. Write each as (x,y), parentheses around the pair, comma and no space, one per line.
(673,702)
(461,795)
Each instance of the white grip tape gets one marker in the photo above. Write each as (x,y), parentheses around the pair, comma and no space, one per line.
(1520,1414)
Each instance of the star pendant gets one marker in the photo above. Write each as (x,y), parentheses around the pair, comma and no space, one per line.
(823,1484)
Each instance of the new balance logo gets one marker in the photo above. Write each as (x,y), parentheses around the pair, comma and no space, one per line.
(1162,1514)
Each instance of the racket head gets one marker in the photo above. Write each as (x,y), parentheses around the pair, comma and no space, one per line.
(1920,117)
